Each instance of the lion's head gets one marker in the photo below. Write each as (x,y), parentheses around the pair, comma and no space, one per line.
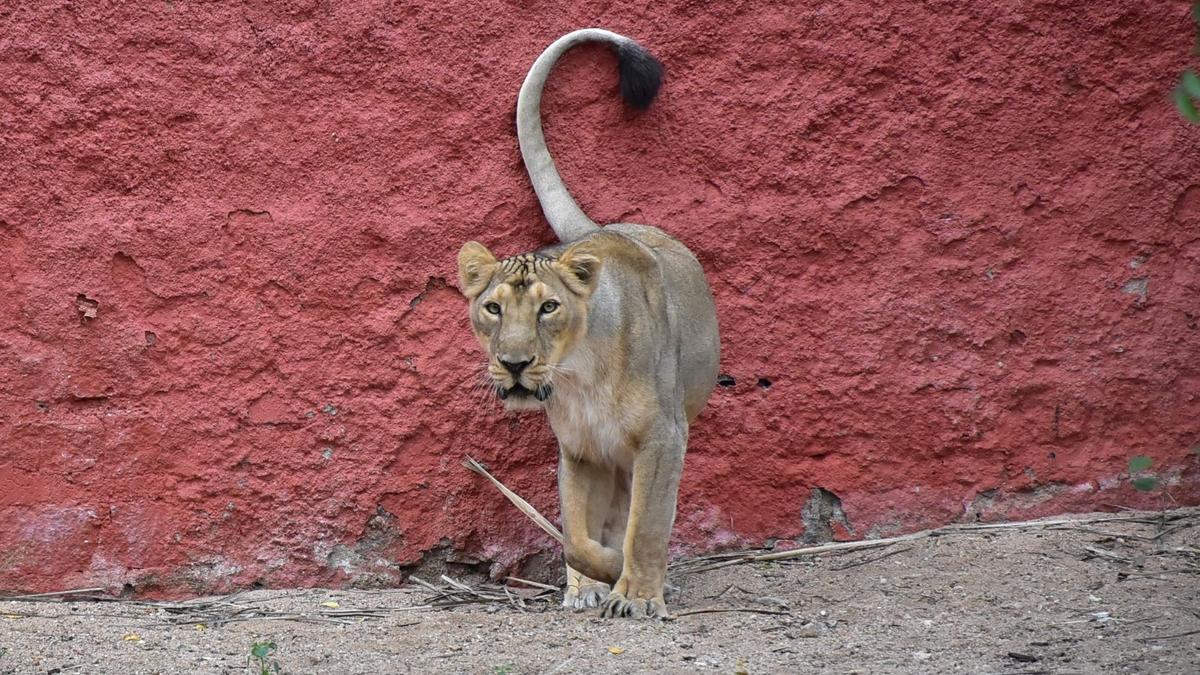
(528,312)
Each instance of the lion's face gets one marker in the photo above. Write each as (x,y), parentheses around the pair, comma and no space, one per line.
(528,312)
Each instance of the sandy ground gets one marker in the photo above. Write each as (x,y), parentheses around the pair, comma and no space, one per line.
(1105,596)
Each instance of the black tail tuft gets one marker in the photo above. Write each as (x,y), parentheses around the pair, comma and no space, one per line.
(641,74)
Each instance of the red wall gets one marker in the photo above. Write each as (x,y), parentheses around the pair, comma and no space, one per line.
(961,241)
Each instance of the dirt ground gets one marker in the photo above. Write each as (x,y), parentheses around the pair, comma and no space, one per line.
(1085,597)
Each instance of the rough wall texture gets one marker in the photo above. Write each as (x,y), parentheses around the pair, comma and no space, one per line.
(955,247)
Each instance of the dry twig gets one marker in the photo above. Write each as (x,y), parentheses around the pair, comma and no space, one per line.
(867,561)
(1154,638)
(707,563)
(719,560)
(232,609)
(57,596)
(535,584)
(513,497)
(456,593)
(718,610)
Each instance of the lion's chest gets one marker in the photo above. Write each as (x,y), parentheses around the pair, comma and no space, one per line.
(590,425)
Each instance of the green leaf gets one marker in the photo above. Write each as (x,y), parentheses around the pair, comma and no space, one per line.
(1140,463)
(1145,483)
(1196,450)
(262,650)
(1186,107)
(1190,83)
(1196,12)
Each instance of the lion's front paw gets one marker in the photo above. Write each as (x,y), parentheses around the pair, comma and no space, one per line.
(617,605)
(586,595)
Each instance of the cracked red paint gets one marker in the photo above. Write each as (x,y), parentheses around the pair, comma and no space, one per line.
(956,252)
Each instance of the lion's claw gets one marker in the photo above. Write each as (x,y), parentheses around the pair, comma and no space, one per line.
(585,596)
(617,605)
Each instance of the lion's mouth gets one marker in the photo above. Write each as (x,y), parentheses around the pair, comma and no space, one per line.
(519,391)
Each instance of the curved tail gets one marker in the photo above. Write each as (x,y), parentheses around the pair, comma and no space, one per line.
(641,75)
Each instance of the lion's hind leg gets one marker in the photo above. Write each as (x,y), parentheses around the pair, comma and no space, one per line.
(583,592)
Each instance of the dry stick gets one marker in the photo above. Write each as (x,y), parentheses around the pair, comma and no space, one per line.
(837,546)
(535,584)
(728,588)
(459,593)
(728,559)
(461,586)
(253,616)
(942,531)
(425,584)
(1105,553)
(1167,637)
(868,561)
(716,610)
(811,550)
(1100,533)
(1169,530)
(54,594)
(514,599)
(220,612)
(513,497)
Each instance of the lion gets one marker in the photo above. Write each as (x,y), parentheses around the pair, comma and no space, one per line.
(613,333)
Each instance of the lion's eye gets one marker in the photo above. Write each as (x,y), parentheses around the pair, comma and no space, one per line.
(492,308)
(549,306)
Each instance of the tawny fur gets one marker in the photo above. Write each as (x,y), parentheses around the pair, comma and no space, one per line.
(614,334)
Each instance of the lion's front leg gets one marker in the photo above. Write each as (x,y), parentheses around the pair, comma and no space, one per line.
(586,491)
(657,468)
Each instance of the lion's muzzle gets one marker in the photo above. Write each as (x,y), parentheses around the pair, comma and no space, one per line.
(518,390)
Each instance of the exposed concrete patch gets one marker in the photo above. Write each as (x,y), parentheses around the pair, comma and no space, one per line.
(821,514)
(368,563)
(1139,287)
(445,559)
(87,308)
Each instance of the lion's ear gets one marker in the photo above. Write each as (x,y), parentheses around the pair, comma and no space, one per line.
(475,267)
(580,268)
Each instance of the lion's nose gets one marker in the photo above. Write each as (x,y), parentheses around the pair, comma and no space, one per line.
(515,367)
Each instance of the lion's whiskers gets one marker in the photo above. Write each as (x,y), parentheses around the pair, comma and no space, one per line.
(485,388)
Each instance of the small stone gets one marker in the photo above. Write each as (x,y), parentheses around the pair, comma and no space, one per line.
(809,630)
(772,601)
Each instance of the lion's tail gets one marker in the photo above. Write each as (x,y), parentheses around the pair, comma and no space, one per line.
(641,75)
